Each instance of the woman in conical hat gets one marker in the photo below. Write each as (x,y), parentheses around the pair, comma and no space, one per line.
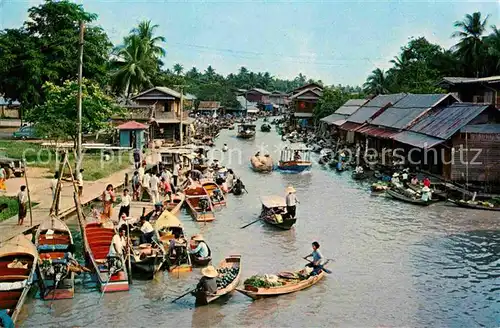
(290,189)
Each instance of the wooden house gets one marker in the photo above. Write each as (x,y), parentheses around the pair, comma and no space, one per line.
(9,108)
(161,107)
(475,90)
(312,86)
(132,134)
(208,107)
(257,95)
(303,104)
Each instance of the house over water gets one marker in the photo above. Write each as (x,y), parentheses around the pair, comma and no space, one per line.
(303,100)
(475,90)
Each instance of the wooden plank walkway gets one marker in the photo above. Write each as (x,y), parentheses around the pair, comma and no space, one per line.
(92,190)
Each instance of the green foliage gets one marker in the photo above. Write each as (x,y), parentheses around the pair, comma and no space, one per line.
(12,207)
(56,117)
(259,282)
(330,101)
(137,60)
(45,49)
(377,83)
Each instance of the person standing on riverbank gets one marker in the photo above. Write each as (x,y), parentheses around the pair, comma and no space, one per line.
(175,173)
(154,182)
(22,199)
(108,197)
(137,158)
(79,182)
(291,201)
(3,177)
(125,204)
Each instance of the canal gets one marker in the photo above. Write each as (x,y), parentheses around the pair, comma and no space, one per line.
(395,264)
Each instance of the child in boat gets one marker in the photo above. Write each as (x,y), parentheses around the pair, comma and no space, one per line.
(317,261)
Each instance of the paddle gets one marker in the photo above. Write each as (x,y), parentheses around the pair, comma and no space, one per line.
(187,293)
(110,274)
(319,266)
(250,223)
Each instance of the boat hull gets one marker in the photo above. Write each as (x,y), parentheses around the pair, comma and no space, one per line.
(402,198)
(246,136)
(295,166)
(474,206)
(287,224)
(147,268)
(200,262)
(258,293)
(193,196)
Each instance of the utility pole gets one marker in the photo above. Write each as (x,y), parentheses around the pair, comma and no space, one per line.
(182,113)
(79,99)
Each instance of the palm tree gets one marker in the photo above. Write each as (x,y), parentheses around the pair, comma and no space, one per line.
(470,48)
(493,43)
(145,32)
(178,68)
(376,83)
(210,72)
(133,67)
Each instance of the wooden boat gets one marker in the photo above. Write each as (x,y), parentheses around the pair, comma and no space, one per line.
(464,204)
(265,127)
(288,286)
(200,261)
(230,263)
(97,240)
(359,176)
(215,192)
(199,204)
(171,230)
(53,241)
(396,195)
(174,206)
(295,160)
(18,260)
(246,131)
(274,212)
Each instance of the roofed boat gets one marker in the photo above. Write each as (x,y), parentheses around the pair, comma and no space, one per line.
(274,212)
(295,160)
(246,131)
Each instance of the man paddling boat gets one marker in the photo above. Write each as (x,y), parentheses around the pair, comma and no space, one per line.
(208,283)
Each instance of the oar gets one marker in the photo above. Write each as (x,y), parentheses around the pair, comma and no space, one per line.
(110,274)
(319,266)
(187,293)
(250,223)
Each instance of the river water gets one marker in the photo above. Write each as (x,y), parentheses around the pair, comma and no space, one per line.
(396,264)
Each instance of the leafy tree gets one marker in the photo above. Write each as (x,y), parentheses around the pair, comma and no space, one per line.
(330,101)
(376,83)
(45,48)
(178,68)
(146,32)
(56,117)
(470,48)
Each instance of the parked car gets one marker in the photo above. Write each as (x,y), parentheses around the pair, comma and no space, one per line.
(13,167)
(26,132)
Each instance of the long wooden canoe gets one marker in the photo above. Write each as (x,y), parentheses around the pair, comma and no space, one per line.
(274,212)
(409,200)
(473,206)
(18,260)
(230,262)
(97,241)
(212,188)
(175,205)
(289,286)
(53,240)
(194,195)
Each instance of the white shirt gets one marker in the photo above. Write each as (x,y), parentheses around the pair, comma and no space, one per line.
(147,227)
(116,242)
(126,200)
(291,199)
(79,179)
(22,196)
(153,183)
(176,169)
(53,184)
(145,180)
(141,173)
(167,175)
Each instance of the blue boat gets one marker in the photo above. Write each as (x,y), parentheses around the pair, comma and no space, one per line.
(295,160)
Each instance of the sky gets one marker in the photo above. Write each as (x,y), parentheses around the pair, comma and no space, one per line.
(338,42)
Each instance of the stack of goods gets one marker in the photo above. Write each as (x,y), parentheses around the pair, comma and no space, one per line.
(226,276)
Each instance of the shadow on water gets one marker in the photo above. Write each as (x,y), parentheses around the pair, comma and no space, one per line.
(457,278)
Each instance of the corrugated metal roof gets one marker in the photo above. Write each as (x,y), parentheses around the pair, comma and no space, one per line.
(164,90)
(350,106)
(405,111)
(367,111)
(446,121)
(417,139)
(350,126)
(132,125)
(481,128)
(467,80)
(339,122)
(332,118)
(375,131)
(262,91)
(301,95)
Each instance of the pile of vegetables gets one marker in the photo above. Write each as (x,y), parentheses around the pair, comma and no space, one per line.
(482,203)
(260,282)
(379,186)
(226,276)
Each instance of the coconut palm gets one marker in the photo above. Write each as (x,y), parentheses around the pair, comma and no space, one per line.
(132,67)
(493,43)
(376,83)
(178,68)
(145,31)
(471,48)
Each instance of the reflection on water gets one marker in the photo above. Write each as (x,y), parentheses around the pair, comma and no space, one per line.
(395,264)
